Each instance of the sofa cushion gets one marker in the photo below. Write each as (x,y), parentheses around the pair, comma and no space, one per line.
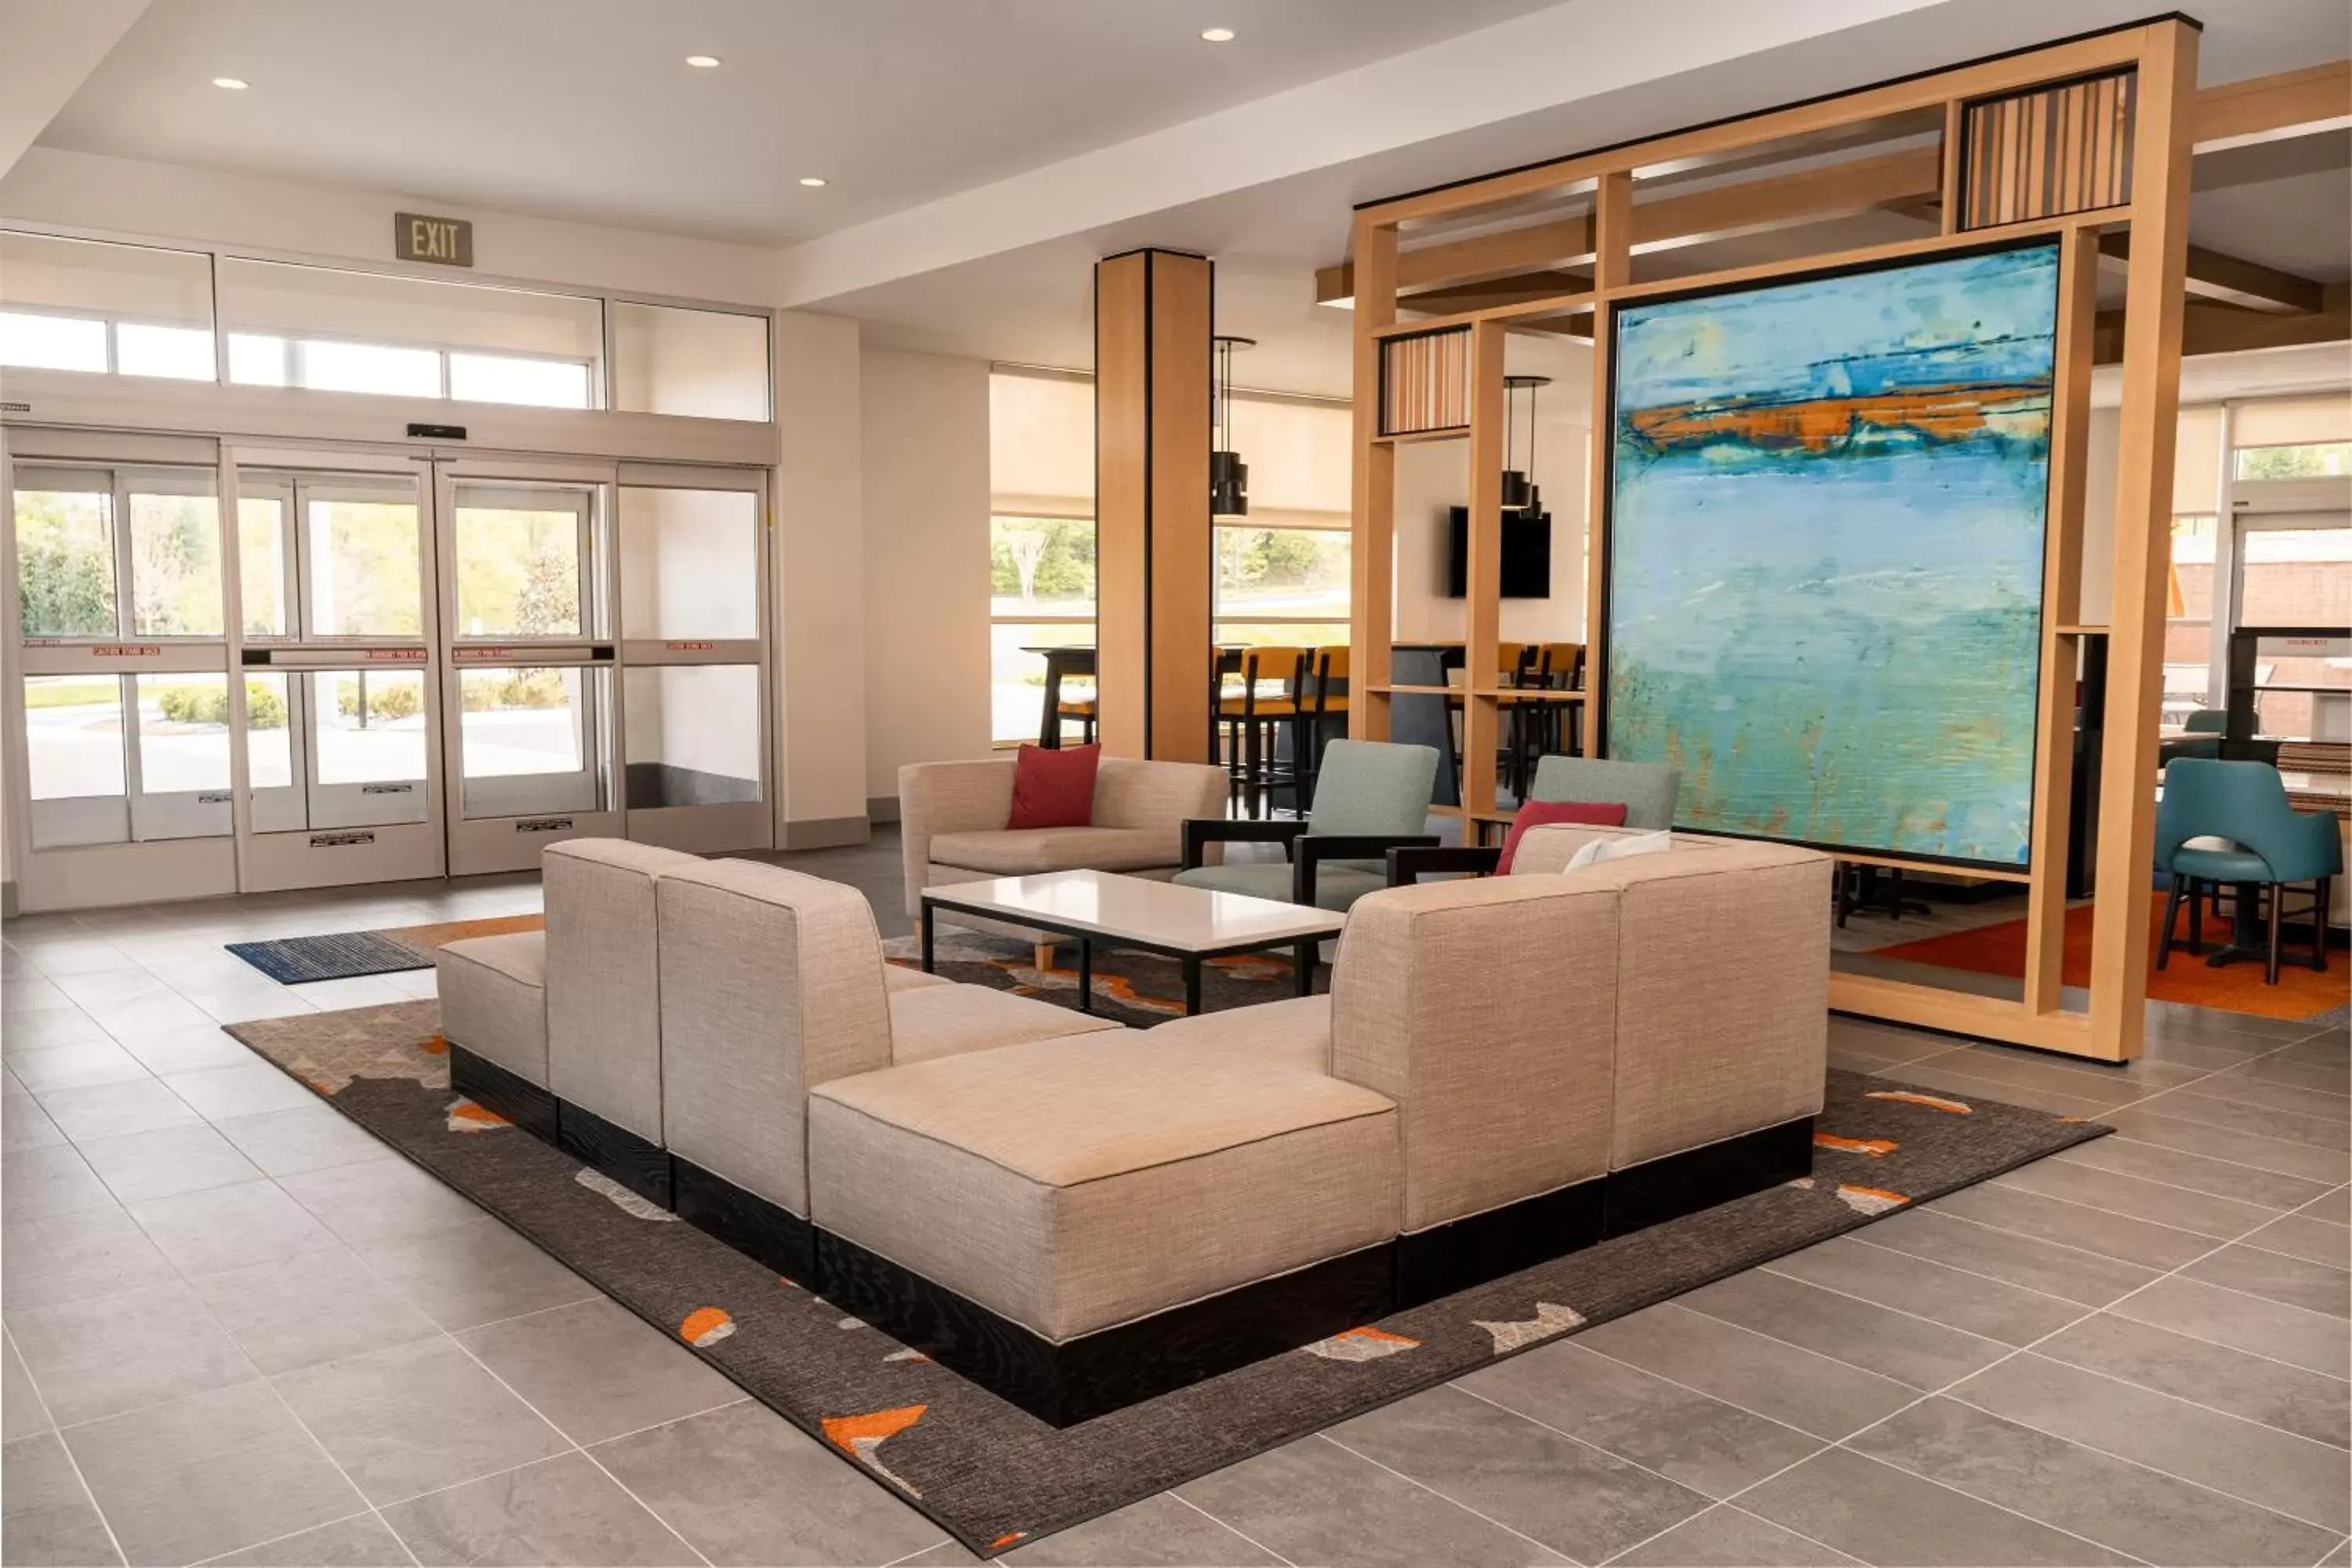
(1026,852)
(493,993)
(1074,1184)
(1054,788)
(898,977)
(1338,883)
(946,1020)
(1295,1032)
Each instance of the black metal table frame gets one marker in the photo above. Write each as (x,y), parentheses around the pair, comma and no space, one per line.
(1304,950)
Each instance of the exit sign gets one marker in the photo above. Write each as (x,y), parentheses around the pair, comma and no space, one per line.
(447,240)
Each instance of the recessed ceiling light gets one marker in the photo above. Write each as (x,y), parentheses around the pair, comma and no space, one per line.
(703,62)
(1217,35)
(233,84)
(813,180)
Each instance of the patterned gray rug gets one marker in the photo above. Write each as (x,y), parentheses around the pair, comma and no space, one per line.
(990,1474)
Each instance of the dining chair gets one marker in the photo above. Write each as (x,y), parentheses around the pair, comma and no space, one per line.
(1322,704)
(2270,849)
(1253,718)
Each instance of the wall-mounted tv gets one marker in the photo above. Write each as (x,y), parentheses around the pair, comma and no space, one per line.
(1526,555)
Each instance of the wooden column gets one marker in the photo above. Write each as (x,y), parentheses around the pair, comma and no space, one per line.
(1372,547)
(1483,569)
(1154,552)
(1613,267)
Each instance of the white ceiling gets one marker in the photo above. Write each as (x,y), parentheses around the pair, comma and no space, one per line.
(585,109)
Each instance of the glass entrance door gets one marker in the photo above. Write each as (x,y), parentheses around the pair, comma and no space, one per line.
(526,602)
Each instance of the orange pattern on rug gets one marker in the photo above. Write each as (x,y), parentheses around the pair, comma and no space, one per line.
(425,938)
(2001,950)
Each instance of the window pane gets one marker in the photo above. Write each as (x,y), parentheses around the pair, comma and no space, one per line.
(51,343)
(268,737)
(183,353)
(2188,619)
(175,582)
(65,563)
(2320,459)
(183,734)
(1017,676)
(693,734)
(517,572)
(371,725)
(2299,577)
(369,367)
(254,360)
(689,563)
(366,575)
(261,563)
(525,743)
(499,378)
(705,364)
(1041,566)
(1282,634)
(1282,572)
(73,731)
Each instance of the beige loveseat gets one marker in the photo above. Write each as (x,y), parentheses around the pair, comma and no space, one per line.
(952,817)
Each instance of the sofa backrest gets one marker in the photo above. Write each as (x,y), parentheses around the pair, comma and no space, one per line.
(1487,1009)
(604,976)
(1132,792)
(771,984)
(1646,790)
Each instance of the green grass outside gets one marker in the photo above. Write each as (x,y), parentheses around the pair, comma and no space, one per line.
(72,693)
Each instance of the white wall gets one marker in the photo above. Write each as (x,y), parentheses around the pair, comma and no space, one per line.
(1433,477)
(925,427)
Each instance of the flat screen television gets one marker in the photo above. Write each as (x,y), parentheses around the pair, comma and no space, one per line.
(1526,555)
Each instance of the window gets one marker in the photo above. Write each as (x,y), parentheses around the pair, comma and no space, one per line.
(83,305)
(1041,594)
(181,353)
(519,564)
(2189,618)
(366,575)
(261,563)
(690,565)
(52,342)
(1282,584)
(2309,460)
(505,378)
(701,364)
(65,561)
(2298,577)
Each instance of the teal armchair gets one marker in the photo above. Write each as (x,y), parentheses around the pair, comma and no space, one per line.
(1369,797)
(2272,848)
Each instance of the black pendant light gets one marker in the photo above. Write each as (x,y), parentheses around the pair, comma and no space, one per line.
(1228,475)
(1519,492)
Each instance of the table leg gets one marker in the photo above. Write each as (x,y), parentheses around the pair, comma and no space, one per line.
(2248,940)
(1305,964)
(930,942)
(1192,988)
(1086,975)
(1049,729)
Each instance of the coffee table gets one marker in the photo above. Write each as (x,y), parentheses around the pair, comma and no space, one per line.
(1187,924)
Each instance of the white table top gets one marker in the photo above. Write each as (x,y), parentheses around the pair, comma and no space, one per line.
(1103,904)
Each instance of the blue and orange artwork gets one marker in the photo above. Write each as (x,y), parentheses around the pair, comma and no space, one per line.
(1827,501)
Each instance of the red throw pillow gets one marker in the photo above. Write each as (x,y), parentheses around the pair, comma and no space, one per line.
(1544,813)
(1056,788)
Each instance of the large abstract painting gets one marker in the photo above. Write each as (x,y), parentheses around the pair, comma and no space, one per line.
(1827,504)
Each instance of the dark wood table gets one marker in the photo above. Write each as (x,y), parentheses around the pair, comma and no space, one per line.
(1073,659)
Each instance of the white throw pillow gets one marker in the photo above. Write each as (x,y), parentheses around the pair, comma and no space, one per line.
(1601,849)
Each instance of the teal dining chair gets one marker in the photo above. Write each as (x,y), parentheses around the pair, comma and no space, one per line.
(2272,847)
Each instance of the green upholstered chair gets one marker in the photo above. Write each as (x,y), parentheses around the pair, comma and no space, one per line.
(2274,847)
(1647,790)
(1369,797)
(2208,722)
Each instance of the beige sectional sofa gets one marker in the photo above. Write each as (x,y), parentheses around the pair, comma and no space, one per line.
(952,817)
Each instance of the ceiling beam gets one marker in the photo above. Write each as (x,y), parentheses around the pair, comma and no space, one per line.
(2273,108)
(2207,328)
(2229,280)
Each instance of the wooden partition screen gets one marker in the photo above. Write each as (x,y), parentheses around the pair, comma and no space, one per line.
(2085,142)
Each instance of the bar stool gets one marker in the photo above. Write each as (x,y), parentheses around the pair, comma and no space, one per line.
(1253,718)
(1323,701)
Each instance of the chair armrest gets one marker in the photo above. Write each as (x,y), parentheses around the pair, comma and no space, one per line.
(1200,832)
(1408,864)
(1312,849)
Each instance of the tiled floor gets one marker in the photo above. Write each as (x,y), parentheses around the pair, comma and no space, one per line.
(239,1331)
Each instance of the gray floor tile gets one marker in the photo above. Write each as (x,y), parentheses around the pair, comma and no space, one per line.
(380,1201)
(77,1256)
(1158,1532)
(2273,1469)
(212,1474)
(1882,1514)
(2152,1245)
(21,1415)
(23,1123)
(2292,1072)
(1583,1503)
(2152,1517)
(116,1110)
(26,1032)
(247,1001)
(597,1370)
(2290,1398)
(1312,1502)
(1741,1367)
(2260,1121)
(307,1138)
(416,1417)
(251,1088)
(2335,1208)
(475,1275)
(34,994)
(229,1227)
(1702,1443)
(2299,1100)
(2277,1278)
(748,1488)
(2314,1340)
(2009,1064)
(2221,1219)
(38,1183)
(149,1013)
(2339,1558)
(2313,1240)
(364,1542)
(166,1163)
(101,1357)
(2197,1172)
(315,1307)
(75,1066)
(2286,1156)
(45,1515)
(1860,1333)
(1728,1537)
(563,1511)
(187,1050)
(2037,1265)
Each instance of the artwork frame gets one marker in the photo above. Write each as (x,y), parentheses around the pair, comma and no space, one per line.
(1626,723)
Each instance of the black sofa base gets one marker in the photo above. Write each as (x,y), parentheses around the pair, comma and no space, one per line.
(637,1164)
(511,1095)
(772,1236)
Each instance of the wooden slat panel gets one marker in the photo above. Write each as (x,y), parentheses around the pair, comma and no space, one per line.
(2064,149)
(1425,382)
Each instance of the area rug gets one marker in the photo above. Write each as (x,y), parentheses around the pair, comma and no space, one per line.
(344,955)
(995,1477)
(2301,995)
